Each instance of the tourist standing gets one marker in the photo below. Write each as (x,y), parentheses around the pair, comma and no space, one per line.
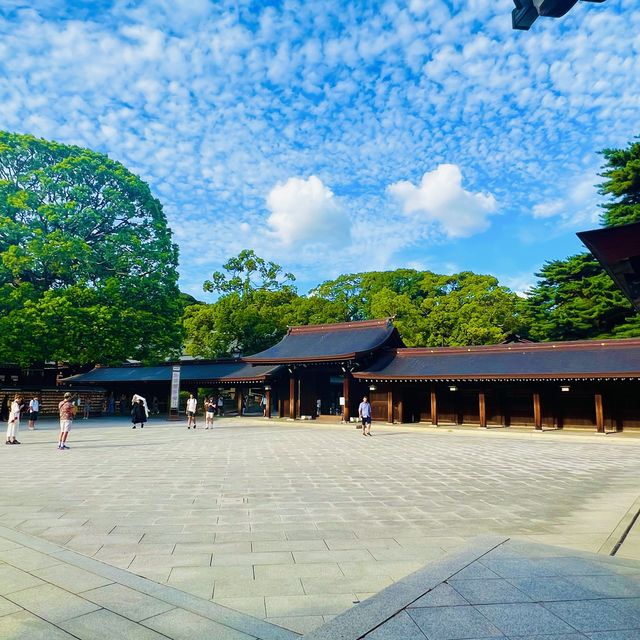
(34,409)
(192,407)
(123,404)
(138,414)
(364,412)
(87,408)
(66,410)
(155,406)
(210,409)
(111,404)
(13,424)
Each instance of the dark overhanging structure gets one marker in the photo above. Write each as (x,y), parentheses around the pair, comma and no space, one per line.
(618,251)
(526,12)
(322,371)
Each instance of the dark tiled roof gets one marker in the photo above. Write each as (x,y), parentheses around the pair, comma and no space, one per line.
(330,342)
(618,251)
(566,360)
(214,372)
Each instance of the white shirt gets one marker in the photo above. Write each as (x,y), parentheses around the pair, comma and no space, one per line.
(34,405)
(192,404)
(220,402)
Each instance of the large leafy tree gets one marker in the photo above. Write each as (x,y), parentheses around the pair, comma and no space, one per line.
(250,314)
(430,309)
(460,309)
(88,269)
(575,298)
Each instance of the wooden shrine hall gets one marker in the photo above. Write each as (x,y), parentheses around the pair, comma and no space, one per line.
(323,371)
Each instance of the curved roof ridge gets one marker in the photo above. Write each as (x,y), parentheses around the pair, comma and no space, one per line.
(517,347)
(339,326)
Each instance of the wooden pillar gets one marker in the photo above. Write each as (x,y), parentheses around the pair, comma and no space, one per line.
(434,407)
(390,406)
(268,405)
(239,400)
(537,411)
(482,409)
(292,396)
(346,387)
(599,413)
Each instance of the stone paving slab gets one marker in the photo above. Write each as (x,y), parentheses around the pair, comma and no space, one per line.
(589,596)
(75,596)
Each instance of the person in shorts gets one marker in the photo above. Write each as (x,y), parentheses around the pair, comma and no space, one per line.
(192,407)
(66,410)
(364,412)
(209,411)
(34,409)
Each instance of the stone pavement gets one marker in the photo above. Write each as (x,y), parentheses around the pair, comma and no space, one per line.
(295,523)
(499,588)
(49,593)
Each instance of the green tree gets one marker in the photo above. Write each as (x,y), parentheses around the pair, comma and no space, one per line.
(575,299)
(88,270)
(249,316)
(622,173)
(429,309)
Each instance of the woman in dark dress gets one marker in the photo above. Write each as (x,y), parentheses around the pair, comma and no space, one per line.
(138,414)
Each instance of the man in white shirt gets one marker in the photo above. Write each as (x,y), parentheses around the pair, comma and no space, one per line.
(192,406)
(364,412)
(34,408)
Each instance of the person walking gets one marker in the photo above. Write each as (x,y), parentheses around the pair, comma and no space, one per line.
(192,407)
(138,414)
(210,409)
(34,409)
(364,412)
(13,424)
(66,410)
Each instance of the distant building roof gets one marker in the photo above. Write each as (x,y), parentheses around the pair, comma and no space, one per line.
(224,371)
(618,251)
(558,360)
(330,342)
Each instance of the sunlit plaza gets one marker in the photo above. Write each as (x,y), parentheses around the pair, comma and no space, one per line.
(289,523)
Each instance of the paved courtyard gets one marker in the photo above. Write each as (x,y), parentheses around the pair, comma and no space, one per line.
(294,523)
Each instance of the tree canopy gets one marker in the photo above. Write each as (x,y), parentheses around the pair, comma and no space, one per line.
(622,173)
(430,309)
(88,269)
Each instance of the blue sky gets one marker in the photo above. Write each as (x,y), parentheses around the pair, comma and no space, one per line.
(336,137)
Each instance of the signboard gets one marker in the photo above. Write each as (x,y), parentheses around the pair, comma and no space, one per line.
(175,387)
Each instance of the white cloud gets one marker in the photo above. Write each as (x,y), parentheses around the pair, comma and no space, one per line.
(578,206)
(306,212)
(440,199)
